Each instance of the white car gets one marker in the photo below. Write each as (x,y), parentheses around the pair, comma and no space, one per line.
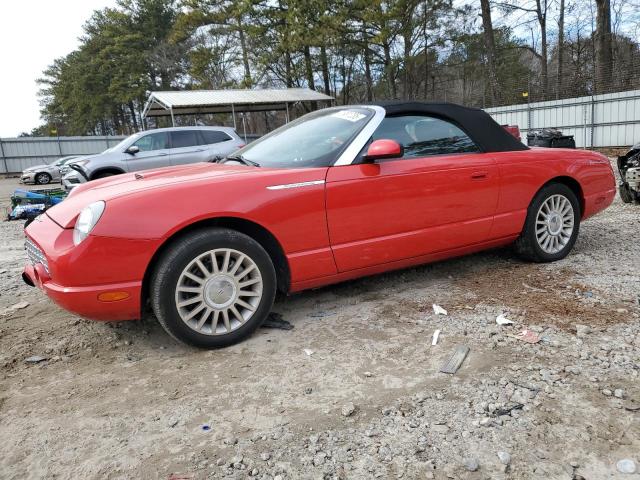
(45,174)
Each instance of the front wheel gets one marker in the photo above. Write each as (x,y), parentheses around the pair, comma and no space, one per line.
(213,287)
(552,225)
(43,178)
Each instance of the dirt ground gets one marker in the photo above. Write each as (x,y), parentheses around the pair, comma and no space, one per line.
(366,400)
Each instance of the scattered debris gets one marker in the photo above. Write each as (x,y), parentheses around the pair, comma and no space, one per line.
(505,457)
(502,320)
(436,335)
(348,409)
(507,410)
(368,374)
(275,320)
(35,359)
(534,289)
(205,428)
(308,391)
(13,308)
(632,406)
(471,464)
(528,336)
(308,352)
(583,330)
(453,364)
(438,310)
(626,465)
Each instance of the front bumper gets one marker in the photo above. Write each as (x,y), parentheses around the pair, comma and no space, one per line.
(29,177)
(75,276)
(71,181)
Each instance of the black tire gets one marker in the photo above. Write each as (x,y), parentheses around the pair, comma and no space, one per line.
(43,178)
(527,245)
(180,253)
(626,195)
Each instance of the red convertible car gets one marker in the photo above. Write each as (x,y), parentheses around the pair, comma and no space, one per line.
(337,194)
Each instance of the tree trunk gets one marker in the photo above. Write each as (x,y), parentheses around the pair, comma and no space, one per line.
(388,69)
(325,70)
(542,20)
(248,81)
(603,46)
(309,71)
(560,50)
(132,110)
(367,66)
(490,45)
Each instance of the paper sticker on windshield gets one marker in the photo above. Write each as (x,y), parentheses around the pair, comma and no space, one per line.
(349,115)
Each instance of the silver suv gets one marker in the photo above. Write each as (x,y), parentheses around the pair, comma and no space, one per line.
(162,147)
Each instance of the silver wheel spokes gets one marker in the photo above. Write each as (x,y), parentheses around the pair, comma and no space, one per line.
(554,223)
(218,291)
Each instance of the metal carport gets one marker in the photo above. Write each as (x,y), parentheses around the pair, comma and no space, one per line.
(193,102)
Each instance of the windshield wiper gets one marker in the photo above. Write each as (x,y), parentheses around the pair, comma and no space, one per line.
(241,159)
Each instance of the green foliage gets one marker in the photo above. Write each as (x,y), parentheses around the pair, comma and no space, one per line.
(356,50)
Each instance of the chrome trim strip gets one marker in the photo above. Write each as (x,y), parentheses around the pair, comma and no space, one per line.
(295,185)
(351,152)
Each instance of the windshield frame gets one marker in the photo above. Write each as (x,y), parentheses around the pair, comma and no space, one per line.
(350,150)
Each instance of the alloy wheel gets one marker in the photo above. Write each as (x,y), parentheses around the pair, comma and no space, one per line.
(554,223)
(218,291)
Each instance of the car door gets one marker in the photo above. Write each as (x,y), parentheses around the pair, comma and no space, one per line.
(186,147)
(153,152)
(441,195)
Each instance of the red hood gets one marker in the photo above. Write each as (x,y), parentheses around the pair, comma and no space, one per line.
(65,213)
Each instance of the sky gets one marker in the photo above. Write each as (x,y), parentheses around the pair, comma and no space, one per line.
(32,34)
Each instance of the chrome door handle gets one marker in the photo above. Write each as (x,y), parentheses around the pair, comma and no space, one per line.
(479,175)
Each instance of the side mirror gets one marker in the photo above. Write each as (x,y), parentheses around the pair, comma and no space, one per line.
(383,148)
(132,150)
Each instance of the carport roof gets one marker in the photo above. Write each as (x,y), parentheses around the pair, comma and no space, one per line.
(227,101)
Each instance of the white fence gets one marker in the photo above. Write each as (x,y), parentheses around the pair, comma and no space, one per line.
(16,154)
(609,120)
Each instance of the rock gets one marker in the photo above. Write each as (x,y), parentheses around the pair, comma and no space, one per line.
(308,391)
(265,456)
(35,359)
(471,464)
(505,457)
(368,374)
(318,460)
(220,462)
(618,393)
(348,409)
(626,466)
(583,330)
(606,392)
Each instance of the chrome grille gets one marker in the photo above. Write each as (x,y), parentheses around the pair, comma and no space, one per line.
(35,255)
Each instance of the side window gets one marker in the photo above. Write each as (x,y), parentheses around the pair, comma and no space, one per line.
(209,137)
(153,141)
(184,138)
(422,136)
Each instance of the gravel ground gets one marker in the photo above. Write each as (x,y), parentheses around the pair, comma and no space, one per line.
(354,390)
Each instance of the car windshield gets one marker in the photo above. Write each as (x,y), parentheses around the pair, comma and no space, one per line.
(123,143)
(314,140)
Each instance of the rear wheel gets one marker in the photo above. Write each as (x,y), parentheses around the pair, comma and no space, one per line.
(43,178)
(552,225)
(213,288)
(103,175)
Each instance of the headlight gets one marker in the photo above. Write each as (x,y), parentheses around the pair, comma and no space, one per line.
(87,219)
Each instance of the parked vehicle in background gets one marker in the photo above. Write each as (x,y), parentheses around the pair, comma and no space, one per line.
(162,147)
(629,168)
(337,194)
(45,174)
(550,138)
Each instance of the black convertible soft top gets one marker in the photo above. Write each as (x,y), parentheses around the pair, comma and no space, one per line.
(478,124)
